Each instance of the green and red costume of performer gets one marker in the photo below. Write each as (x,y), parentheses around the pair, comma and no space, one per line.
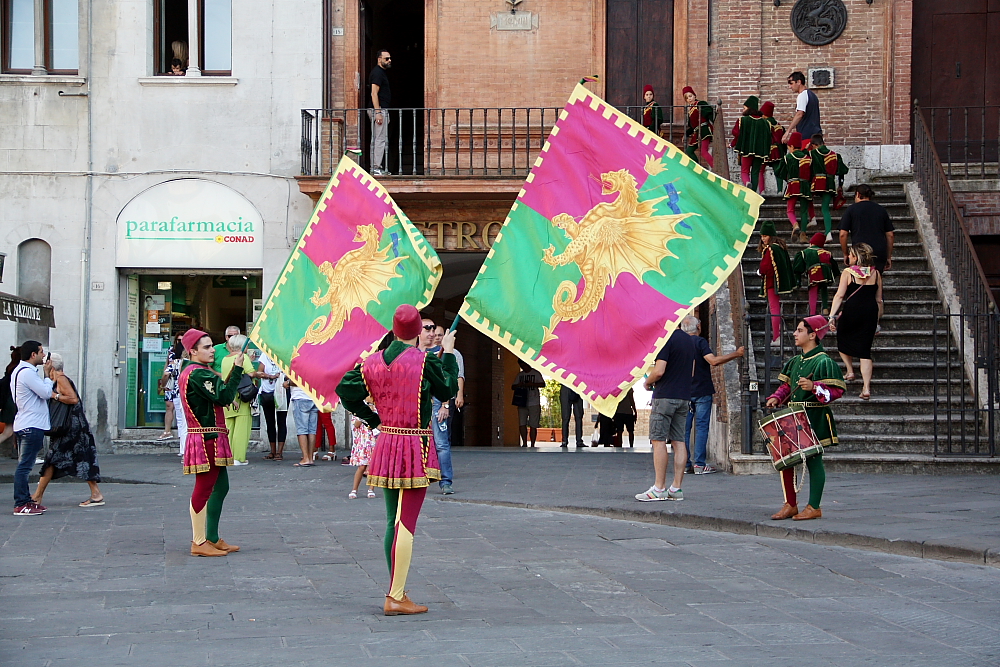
(821,269)
(700,128)
(207,453)
(752,141)
(401,381)
(776,275)
(652,112)
(827,167)
(778,149)
(796,169)
(828,386)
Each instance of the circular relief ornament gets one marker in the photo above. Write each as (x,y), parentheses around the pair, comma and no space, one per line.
(819,22)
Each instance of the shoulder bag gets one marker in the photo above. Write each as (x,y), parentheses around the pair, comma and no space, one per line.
(59,415)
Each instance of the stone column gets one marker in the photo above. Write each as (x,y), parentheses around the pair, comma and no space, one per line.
(194,44)
(39,68)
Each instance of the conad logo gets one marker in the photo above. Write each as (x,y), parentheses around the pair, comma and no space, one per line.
(233,239)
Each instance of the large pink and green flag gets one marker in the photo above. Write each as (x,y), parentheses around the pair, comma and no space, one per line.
(616,236)
(357,260)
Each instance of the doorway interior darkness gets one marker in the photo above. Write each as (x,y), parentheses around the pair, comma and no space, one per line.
(397,26)
(640,48)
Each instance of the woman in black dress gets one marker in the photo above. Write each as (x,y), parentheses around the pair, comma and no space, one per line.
(73,452)
(859,302)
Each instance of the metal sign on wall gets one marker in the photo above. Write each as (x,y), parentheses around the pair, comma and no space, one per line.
(190,223)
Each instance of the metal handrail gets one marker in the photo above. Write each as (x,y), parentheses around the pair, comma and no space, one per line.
(946,216)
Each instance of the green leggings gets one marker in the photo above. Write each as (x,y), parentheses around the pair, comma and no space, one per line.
(827,200)
(214,505)
(817,480)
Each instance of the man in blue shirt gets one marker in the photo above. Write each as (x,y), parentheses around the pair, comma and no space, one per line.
(670,381)
(32,394)
(702,391)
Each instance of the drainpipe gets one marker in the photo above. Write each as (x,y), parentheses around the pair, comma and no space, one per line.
(89,212)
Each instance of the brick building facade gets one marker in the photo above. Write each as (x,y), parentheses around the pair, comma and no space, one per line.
(477,54)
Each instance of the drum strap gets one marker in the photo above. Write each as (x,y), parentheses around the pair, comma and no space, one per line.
(808,404)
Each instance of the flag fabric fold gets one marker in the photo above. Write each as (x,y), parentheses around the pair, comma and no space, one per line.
(357,260)
(616,236)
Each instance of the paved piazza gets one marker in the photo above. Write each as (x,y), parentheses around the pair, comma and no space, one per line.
(506,587)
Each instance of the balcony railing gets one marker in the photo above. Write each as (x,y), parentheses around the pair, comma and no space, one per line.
(967,139)
(495,142)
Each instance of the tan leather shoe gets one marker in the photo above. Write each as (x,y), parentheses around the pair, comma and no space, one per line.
(809,512)
(786,512)
(206,549)
(394,607)
(222,546)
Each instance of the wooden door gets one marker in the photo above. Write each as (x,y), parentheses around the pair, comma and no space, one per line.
(953,69)
(640,42)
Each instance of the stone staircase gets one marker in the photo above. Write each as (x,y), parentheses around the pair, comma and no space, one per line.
(894,431)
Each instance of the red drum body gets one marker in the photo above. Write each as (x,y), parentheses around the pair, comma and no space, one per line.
(790,438)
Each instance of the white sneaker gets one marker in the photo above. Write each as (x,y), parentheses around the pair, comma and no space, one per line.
(241,463)
(651,495)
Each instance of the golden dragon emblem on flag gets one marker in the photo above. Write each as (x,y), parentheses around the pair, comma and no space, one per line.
(354,281)
(621,236)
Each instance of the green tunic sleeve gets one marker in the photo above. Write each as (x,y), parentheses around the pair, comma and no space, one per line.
(353,391)
(799,265)
(206,390)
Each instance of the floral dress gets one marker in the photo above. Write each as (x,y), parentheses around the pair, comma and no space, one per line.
(173,370)
(364,442)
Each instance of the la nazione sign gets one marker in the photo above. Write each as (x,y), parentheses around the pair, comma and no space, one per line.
(190,223)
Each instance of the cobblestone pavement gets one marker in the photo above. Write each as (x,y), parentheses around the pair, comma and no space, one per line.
(506,586)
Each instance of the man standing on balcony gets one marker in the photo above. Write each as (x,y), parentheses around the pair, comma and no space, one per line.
(381,97)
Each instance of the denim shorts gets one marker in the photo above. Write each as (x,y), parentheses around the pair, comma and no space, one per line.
(306,416)
(668,419)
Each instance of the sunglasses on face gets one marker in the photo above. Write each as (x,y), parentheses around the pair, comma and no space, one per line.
(428,327)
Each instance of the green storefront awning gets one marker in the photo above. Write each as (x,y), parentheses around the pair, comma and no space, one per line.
(16,309)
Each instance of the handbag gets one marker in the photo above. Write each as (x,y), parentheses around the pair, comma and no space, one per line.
(59,416)
(280,394)
(520,398)
(247,389)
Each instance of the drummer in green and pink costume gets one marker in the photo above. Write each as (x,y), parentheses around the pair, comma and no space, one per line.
(811,380)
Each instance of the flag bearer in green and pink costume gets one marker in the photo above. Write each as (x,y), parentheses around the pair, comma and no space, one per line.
(826,165)
(778,149)
(821,270)
(699,130)
(204,393)
(812,380)
(776,274)
(401,381)
(796,169)
(752,141)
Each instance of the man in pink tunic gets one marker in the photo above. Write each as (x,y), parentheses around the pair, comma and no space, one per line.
(401,381)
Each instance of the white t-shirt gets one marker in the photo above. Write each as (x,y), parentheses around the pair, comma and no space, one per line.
(802,101)
(299,395)
(534,395)
(271,368)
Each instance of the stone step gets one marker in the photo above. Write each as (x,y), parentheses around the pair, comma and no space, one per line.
(924,307)
(836,459)
(153,446)
(884,370)
(888,338)
(751,260)
(865,425)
